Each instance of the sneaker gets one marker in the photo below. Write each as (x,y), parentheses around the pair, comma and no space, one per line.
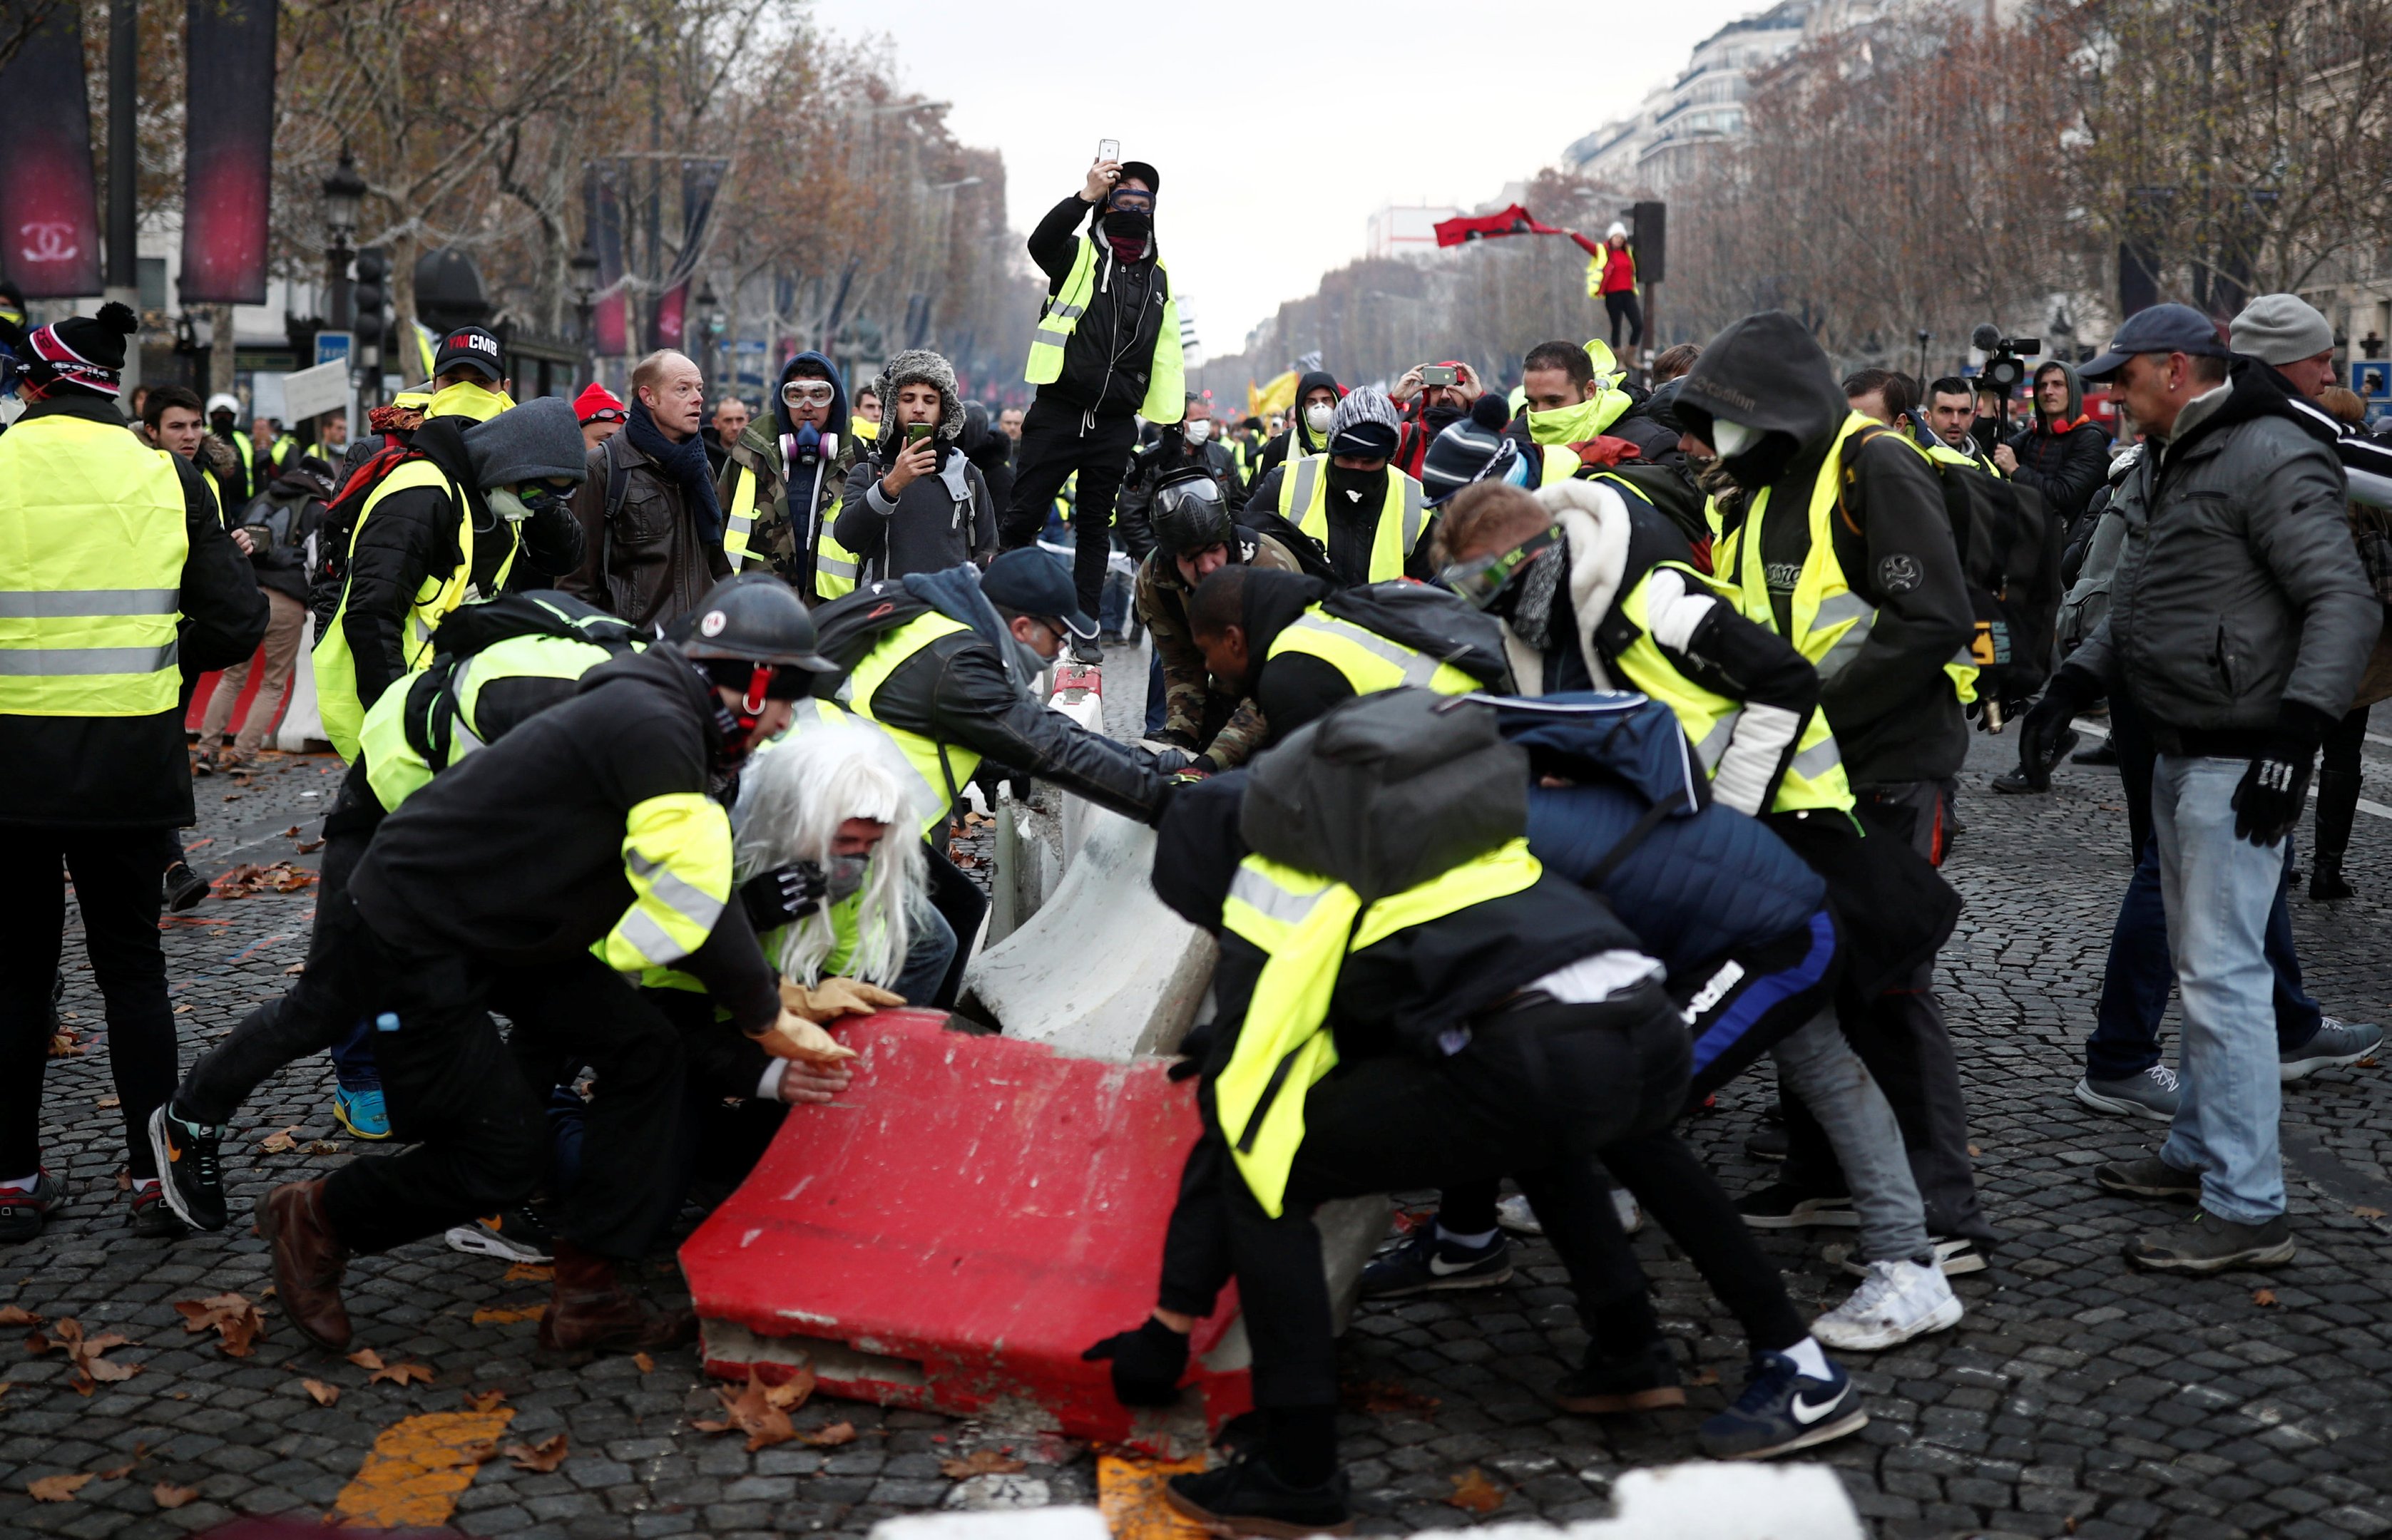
(2148,1177)
(149,1216)
(23,1210)
(2017,783)
(1783,1409)
(1087,648)
(1770,1143)
(1954,1257)
(1513,1214)
(517,1235)
(184,887)
(2327,884)
(1244,1497)
(1897,1300)
(2154,1095)
(361,1111)
(2334,1043)
(1638,1382)
(1425,1263)
(1779,1206)
(1624,1206)
(193,1185)
(2213,1245)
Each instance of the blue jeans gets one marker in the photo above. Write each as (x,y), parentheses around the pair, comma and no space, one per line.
(2218,888)
(928,956)
(2136,985)
(1158,711)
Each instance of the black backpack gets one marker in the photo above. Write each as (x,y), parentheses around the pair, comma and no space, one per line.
(849,626)
(1429,620)
(431,713)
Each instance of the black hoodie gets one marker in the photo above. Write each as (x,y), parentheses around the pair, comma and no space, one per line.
(1893,708)
(1297,439)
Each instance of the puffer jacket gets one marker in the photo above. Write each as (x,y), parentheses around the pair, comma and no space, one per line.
(2064,461)
(2238,588)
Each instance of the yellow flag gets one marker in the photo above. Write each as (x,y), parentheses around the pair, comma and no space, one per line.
(1276,396)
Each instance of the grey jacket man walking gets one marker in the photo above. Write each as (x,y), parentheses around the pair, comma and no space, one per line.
(2240,623)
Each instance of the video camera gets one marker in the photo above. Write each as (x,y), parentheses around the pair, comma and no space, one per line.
(2005,357)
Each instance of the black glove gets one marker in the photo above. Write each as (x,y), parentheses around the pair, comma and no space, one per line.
(1175,737)
(1146,1364)
(2274,791)
(785,893)
(2040,732)
(1169,761)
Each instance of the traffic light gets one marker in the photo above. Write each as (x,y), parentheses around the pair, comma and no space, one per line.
(1651,227)
(372,302)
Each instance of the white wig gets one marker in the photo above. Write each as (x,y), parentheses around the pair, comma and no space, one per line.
(793,796)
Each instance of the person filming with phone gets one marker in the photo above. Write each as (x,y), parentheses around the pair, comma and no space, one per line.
(913,503)
(1106,351)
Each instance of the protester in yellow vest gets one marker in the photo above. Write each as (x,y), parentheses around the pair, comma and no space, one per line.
(469,378)
(1106,352)
(803,445)
(118,584)
(1370,520)
(223,408)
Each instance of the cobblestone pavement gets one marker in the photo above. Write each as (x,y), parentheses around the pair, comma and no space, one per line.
(2077,1397)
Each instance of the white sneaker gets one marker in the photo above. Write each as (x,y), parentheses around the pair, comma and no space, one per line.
(1513,1214)
(1898,1300)
(1623,1203)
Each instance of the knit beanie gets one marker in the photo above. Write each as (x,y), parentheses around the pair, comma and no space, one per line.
(1365,424)
(1473,450)
(82,353)
(597,403)
(2281,329)
(920,366)
(539,438)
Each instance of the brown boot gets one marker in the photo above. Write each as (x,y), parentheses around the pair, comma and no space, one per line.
(309,1260)
(592,1310)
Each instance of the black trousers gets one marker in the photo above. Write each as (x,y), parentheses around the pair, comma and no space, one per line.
(1056,440)
(1623,307)
(959,902)
(2338,786)
(115,875)
(1900,1034)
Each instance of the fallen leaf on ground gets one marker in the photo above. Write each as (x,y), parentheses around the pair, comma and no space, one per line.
(750,1410)
(366,1358)
(1974,1150)
(2368,1213)
(319,1393)
(530,1272)
(644,1363)
(542,1457)
(278,1144)
(84,1353)
(236,1321)
(1473,1493)
(2263,1296)
(295,967)
(791,1393)
(980,1462)
(402,1374)
(109,1100)
(1703,1376)
(249,877)
(505,1315)
(323,1147)
(482,1401)
(169,1496)
(17,1315)
(1383,1397)
(291,833)
(832,1436)
(309,846)
(118,1472)
(58,1489)
(63,1046)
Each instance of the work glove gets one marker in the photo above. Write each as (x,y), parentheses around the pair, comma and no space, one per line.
(834,998)
(793,1037)
(2274,791)
(1146,1364)
(785,893)
(2071,691)
(1169,761)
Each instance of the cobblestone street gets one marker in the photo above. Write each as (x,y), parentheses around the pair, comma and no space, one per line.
(2077,1397)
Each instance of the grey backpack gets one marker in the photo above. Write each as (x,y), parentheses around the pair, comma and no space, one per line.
(1388,791)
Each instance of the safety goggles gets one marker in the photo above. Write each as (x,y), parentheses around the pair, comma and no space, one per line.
(607,414)
(799,393)
(1133,200)
(1478,580)
(538,495)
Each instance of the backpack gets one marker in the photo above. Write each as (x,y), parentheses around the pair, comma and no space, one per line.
(1429,620)
(1388,791)
(851,625)
(1673,494)
(472,628)
(329,572)
(1310,555)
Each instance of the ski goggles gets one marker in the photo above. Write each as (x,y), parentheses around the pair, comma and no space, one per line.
(1479,579)
(798,392)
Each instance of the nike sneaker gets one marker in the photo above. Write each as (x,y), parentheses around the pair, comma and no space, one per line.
(1426,1264)
(190,1178)
(516,1236)
(1779,1206)
(362,1111)
(1783,1409)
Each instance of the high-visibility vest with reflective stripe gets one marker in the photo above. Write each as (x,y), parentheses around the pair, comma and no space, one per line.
(1308,924)
(835,566)
(1815,776)
(248,452)
(677,853)
(1370,662)
(92,545)
(942,767)
(1304,502)
(396,765)
(336,675)
(1166,380)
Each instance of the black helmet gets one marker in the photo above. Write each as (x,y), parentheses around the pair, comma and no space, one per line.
(753,619)
(1189,514)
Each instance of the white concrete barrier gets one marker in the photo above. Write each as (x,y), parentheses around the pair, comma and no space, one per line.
(302,724)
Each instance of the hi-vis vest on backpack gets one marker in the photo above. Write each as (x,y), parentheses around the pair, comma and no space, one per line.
(336,674)
(1370,662)
(1166,381)
(399,758)
(1304,502)
(92,544)
(943,768)
(1828,622)
(1308,924)
(835,566)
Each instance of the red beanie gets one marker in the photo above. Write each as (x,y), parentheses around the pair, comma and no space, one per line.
(598,404)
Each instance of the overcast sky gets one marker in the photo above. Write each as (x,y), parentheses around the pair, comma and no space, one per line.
(1279,127)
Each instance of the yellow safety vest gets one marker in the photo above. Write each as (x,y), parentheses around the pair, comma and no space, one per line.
(1166,380)
(835,566)
(1829,622)
(396,770)
(216,492)
(1304,502)
(92,545)
(1308,924)
(942,767)
(677,854)
(248,452)
(1370,662)
(336,673)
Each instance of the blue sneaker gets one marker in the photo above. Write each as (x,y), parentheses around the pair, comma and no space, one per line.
(361,1112)
(1783,1409)
(1428,1263)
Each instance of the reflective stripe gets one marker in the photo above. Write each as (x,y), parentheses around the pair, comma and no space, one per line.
(1052,337)
(836,569)
(1818,759)
(668,888)
(58,661)
(648,939)
(1713,749)
(1412,519)
(741,519)
(1270,899)
(1300,496)
(1846,648)
(59,603)
(1419,667)
(1068,312)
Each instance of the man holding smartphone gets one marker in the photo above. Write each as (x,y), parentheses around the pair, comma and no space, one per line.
(1106,351)
(914,503)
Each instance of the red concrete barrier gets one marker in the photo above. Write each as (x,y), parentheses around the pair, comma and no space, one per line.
(955,1229)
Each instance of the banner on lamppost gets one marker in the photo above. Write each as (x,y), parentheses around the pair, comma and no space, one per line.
(227,150)
(603,200)
(50,200)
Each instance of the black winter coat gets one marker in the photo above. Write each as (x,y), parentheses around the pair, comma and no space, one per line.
(1111,355)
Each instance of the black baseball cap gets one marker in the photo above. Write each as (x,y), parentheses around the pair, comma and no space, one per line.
(474,346)
(1030,581)
(2161,329)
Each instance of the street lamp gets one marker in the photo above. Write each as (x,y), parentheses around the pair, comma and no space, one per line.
(584,281)
(344,194)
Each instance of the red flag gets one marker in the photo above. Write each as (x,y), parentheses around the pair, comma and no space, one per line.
(1515,220)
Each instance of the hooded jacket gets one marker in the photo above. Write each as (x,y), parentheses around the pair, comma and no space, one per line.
(1111,355)
(782,541)
(2065,461)
(2237,590)
(284,517)
(1298,439)
(943,520)
(1191,701)
(1893,709)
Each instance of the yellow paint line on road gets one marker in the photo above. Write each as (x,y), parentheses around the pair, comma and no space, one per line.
(1129,1493)
(416,1470)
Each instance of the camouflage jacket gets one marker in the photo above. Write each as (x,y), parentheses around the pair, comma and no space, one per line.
(777,543)
(1199,714)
